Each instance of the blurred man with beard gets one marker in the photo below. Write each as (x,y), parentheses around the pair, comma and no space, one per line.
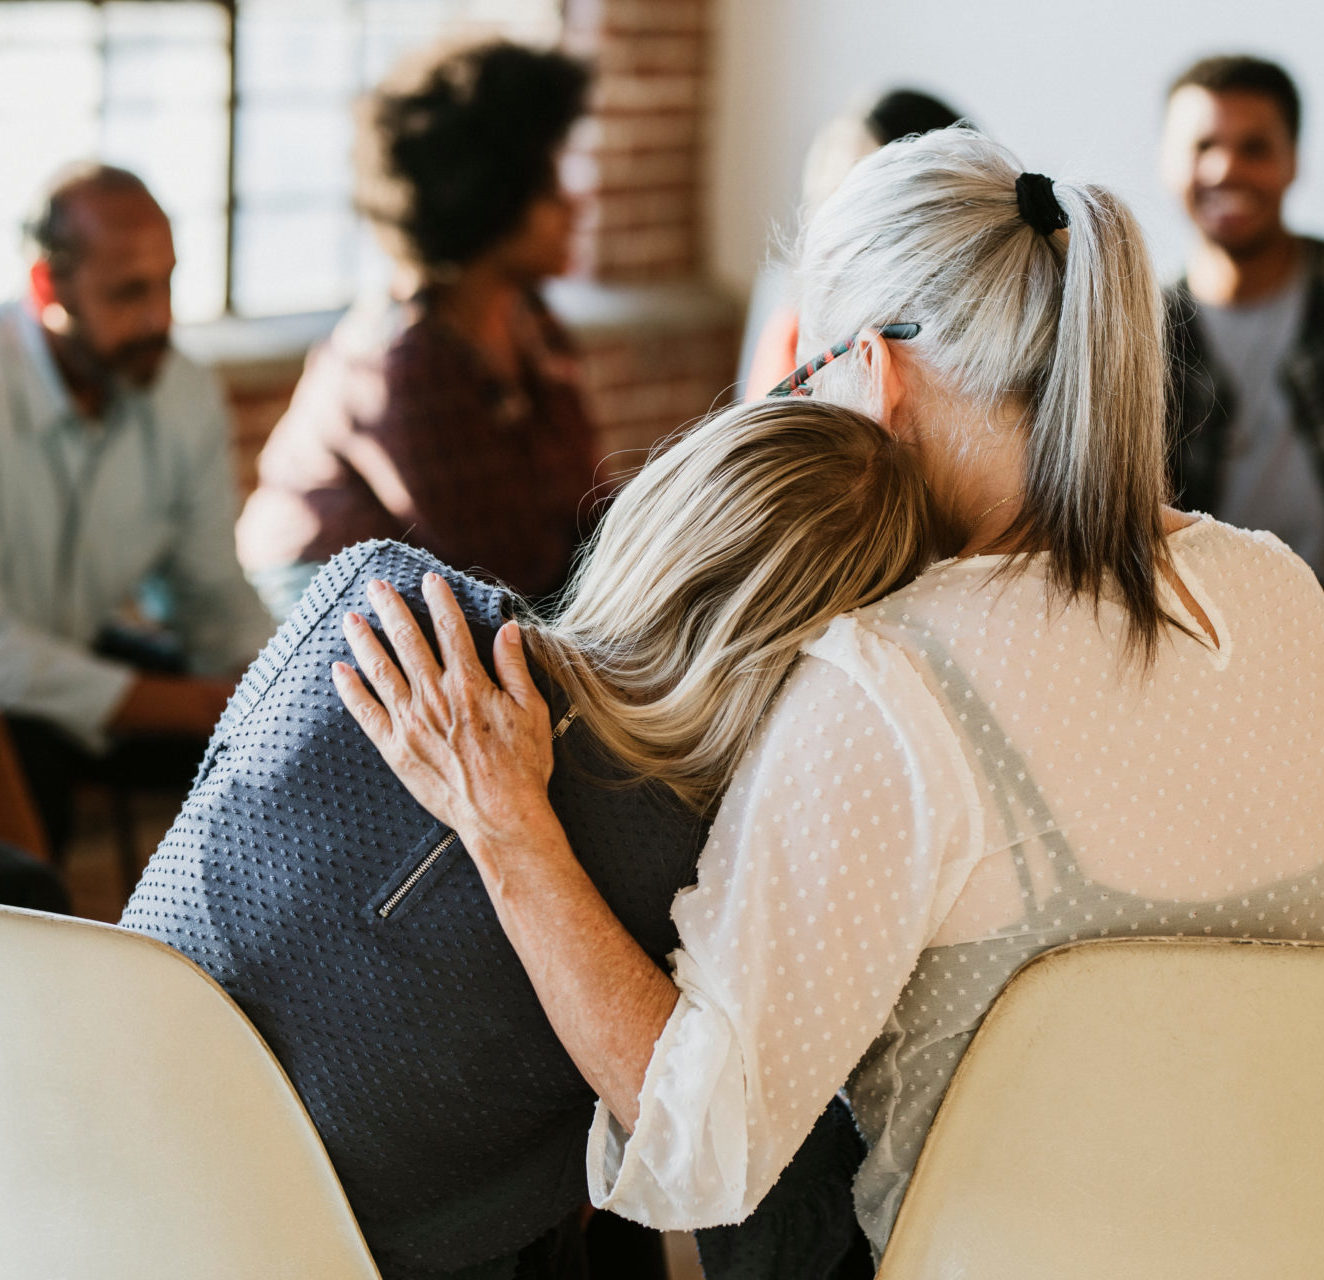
(1246,323)
(115,486)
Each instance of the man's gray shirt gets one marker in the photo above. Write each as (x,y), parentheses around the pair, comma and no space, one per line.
(1234,458)
(90,511)
(1270,478)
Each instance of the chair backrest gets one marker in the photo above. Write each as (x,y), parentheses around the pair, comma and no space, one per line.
(1138,1108)
(146,1131)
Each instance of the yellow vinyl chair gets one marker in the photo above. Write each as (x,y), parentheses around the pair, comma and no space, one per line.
(1147,1109)
(146,1130)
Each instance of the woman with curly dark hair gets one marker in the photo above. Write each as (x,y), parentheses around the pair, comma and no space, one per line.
(450,417)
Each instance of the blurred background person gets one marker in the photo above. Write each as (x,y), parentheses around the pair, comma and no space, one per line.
(451,417)
(1247,319)
(772,327)
(115,482)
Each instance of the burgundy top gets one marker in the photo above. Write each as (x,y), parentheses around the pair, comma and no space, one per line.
(399,429)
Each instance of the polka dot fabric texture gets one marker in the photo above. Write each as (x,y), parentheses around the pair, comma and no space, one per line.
(953,780)
(456,1121)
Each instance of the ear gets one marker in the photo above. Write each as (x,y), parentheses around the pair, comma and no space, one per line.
(889,377)
(42,283)
(48,299)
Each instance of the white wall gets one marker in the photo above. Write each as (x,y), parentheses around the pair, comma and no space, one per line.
(1075,90)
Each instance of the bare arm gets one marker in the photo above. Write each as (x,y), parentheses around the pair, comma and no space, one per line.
(478,756)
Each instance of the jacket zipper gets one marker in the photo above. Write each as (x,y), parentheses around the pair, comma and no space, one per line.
(416,875)
(430,860)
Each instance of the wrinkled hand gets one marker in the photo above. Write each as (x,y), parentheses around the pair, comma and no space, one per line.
(476,755)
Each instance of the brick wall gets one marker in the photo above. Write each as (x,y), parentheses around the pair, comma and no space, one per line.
(637,161)
(640,153)
(643,385)
(253,412)
(640,157)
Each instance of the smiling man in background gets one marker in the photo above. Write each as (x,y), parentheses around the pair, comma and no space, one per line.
(1247,321)
(115,482)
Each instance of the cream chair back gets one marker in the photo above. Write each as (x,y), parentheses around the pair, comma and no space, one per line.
(1142,1108)
(146,1130)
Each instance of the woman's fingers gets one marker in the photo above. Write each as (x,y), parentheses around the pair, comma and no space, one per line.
(512,669)
(374,662)
(474,753)
(402,629)
(453,636)
(369,714)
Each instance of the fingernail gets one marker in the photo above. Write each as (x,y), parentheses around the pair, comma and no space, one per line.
(340,669)
(355,618)
(375,586)
(432,579)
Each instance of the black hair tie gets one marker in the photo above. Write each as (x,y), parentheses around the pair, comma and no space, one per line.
(1038,204)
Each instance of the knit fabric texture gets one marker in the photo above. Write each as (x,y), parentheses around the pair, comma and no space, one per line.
(455,1119)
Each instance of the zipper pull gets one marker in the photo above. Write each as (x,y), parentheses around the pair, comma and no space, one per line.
(565,722)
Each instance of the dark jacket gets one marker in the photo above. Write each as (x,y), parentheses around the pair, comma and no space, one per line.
(454,1117)
(1201,402)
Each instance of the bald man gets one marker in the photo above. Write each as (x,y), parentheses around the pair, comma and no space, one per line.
(115,488)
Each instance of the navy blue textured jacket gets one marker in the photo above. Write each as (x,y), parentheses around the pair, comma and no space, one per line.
(362,944)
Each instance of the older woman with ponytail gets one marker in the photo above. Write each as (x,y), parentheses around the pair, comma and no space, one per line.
(1096,716)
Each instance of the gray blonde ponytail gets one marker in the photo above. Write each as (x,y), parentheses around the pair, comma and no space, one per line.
(1066,323)
(1095,479)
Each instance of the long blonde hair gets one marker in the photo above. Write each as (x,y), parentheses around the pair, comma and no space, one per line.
(713,565)
(928,230)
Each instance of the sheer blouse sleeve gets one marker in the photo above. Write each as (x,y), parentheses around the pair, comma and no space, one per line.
(845,837)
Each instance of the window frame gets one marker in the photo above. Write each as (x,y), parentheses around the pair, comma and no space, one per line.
(230,207)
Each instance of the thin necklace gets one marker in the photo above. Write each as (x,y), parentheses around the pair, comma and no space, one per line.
(987,510)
